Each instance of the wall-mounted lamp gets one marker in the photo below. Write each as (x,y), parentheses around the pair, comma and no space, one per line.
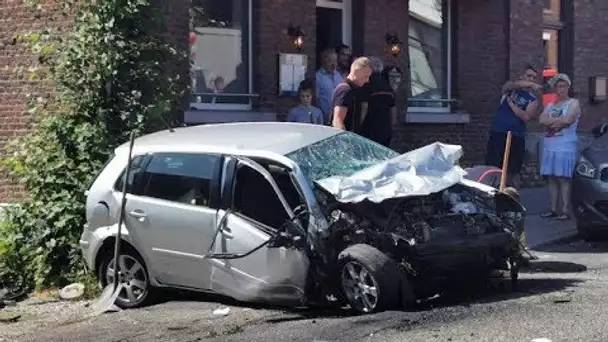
(296,35)
(393,44)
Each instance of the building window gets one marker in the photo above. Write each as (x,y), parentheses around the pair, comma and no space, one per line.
(552,10)
(429,48)
(551,41)
(553,27)
(220,44)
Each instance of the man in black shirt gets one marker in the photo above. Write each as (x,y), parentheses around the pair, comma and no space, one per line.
(381,110)
(349,96)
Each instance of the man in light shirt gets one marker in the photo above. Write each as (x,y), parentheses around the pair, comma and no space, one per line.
(327,79)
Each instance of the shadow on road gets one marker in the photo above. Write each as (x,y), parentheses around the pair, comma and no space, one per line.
(497,291)
(460,294)
(578,246)
(554,267)
(319,311)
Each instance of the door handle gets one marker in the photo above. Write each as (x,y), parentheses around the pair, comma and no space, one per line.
(227,232)
(138,214)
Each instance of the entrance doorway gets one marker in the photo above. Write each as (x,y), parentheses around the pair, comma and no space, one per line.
(334,25)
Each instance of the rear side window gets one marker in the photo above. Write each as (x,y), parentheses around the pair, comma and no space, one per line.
(135,176)
(181,177)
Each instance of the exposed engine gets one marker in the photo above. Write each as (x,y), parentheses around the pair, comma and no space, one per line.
(457,212)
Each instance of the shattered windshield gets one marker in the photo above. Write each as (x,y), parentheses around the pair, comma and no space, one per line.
(340,155)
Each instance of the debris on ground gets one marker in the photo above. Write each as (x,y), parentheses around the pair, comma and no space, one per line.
(541,340)
(561,301)
(221,311)
(9,317)
(72,292)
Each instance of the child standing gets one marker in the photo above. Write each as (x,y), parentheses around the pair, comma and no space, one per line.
(305,112)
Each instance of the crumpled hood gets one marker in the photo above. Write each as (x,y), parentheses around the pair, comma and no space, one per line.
(420,172)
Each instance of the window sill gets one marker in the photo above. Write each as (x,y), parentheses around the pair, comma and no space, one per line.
(459,117)
(194,117)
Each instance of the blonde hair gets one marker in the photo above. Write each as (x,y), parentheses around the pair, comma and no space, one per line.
(360,63)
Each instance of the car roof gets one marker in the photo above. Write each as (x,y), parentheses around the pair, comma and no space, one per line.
(276,137)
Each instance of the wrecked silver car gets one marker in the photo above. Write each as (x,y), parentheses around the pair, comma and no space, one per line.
(290,214)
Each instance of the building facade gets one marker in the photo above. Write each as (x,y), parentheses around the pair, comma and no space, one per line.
(454,55)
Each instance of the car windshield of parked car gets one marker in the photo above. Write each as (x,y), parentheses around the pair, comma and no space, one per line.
(340,155)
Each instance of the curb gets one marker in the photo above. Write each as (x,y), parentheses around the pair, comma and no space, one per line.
(564,239)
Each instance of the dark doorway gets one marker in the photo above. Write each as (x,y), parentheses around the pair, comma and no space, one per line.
(329,29)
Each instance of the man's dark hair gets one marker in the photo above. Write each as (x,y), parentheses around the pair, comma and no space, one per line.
(305,85)
(342,47)
(530,67)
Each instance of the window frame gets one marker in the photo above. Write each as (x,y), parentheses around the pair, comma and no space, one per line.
(447,35)
(137,187)
(250,92)
(236,211)
(346,6)
(214,188)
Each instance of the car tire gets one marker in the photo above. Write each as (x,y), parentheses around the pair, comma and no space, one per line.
(136,280)
(369,280)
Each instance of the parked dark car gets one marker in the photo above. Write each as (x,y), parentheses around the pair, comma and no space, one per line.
(590,187)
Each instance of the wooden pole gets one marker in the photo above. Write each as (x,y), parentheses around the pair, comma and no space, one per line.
(505,162)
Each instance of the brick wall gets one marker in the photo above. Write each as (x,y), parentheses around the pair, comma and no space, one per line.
(590,51)
(17,19)
(480,62)
(271,18)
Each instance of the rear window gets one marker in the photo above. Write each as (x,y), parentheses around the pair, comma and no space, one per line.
(137,165)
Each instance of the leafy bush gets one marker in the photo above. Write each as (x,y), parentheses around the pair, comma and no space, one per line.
(110,77)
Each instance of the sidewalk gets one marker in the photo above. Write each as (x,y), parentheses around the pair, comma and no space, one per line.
(541,231)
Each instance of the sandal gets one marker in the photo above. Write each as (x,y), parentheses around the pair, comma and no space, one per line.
(549,214)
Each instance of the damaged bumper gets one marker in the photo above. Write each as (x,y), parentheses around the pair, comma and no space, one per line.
(419,209)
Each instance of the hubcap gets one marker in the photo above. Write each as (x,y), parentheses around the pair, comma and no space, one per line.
(131,275)
(359,287)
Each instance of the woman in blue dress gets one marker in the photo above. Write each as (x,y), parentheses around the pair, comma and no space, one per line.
(560,146)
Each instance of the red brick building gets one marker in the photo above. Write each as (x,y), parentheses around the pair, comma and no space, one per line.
(455,56)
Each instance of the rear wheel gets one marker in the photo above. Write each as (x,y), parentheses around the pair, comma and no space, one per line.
(132,275)
(369,280)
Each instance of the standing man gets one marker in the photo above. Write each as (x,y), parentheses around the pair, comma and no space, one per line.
(327,79)
(382,112)
(518,105)
(349,95)
(345,56)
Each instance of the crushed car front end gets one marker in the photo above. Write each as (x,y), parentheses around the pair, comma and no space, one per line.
(411,216)
(430,240)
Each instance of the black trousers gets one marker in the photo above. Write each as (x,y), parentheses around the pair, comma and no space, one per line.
(496,151)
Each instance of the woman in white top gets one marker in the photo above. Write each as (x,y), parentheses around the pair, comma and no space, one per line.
(560,145)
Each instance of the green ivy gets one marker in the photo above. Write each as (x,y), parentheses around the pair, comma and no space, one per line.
(110,76)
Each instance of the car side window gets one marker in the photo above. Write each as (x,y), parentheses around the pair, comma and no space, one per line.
(255,198)
(135,176)
(181,177)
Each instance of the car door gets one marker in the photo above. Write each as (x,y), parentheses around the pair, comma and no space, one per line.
(174,216)
(250,261)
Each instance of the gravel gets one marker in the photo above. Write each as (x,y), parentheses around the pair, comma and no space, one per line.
(37,315)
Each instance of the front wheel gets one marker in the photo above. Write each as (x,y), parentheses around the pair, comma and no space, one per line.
(132,274)
(369,280)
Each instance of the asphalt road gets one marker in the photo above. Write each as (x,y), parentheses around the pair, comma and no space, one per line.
(561,298)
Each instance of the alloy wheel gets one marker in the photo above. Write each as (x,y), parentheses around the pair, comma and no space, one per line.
(360,287)
(131,275)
